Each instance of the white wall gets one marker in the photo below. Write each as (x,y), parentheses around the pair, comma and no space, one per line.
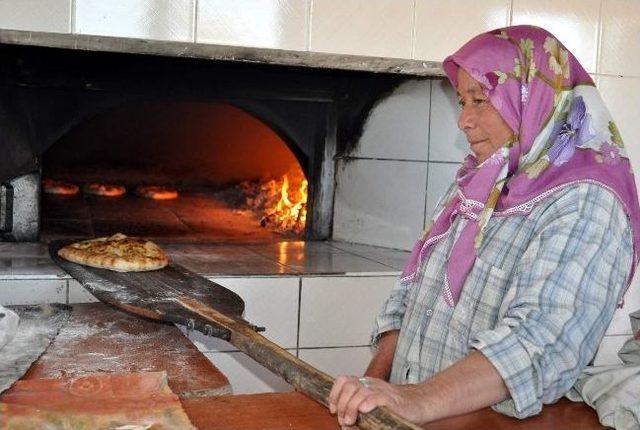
(380,193)
(406,158)
(386,28)
(602,33)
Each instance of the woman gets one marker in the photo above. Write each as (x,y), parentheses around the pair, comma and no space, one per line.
(506,297)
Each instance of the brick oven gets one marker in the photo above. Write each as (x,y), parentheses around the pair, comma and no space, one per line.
(204,126)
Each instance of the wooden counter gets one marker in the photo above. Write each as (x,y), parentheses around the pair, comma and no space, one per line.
(296,411)
(100,338)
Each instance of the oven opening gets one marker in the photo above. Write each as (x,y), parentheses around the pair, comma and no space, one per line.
(175,172)
(250,149)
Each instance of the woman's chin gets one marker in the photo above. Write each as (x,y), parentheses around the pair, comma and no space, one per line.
(483,150)
(480,156)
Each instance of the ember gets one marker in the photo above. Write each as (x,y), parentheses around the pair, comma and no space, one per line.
(283,203)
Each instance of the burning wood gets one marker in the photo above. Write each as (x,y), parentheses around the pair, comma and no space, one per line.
(283,205)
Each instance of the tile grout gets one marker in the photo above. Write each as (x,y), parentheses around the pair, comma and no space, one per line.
(309,23)
(311,348)
(401,160)
(194,32)
(426,188)
(510,14)
(413,31)
(599,30)
(365,257)
(299,316)
(72,17)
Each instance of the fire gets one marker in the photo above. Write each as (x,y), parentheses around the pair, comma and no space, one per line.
(283,206)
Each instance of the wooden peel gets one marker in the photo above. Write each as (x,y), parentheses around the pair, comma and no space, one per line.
(177,295)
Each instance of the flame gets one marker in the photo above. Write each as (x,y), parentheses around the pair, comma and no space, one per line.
(283,206)
(288,215)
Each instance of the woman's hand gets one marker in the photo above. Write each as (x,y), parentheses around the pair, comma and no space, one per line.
(351,395)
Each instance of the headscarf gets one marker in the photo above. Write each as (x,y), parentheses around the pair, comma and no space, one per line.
(562,135)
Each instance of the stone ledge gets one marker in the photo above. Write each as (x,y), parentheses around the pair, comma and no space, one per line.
(240,54)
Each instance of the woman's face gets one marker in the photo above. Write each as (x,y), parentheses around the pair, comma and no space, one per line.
(485,129)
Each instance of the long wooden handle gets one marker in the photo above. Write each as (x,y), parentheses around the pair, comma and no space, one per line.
(306,378)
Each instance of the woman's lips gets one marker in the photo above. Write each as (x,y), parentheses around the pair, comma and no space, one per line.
(473,143)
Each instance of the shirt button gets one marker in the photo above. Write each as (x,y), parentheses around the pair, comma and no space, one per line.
(429,312)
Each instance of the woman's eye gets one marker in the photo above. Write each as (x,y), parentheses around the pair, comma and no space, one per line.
(474,102)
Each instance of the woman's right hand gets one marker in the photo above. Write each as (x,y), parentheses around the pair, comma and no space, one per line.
(351,396)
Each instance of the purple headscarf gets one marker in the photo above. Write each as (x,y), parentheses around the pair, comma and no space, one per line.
(562,135)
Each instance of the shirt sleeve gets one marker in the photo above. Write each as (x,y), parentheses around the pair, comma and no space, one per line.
(390,318)
(393,310)
(566,288)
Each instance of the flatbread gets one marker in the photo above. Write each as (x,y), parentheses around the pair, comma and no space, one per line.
(105,190)
(157,192)
(118,252)
(51,186)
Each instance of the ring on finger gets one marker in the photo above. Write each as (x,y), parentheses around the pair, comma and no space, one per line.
(364,382)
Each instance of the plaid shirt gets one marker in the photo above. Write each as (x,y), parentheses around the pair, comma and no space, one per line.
(536,303)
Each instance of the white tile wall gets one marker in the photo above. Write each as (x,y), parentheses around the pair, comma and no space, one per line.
(339,361)
(340,311)
(421,29)
(444,26)
(379,202)
(171,20)
(279,24)
(362,27)
(29,292)
(446,142)
(441,176)
(408,110)
(573,22)
(245,375)
(36,15)
(620,44)
(269,302)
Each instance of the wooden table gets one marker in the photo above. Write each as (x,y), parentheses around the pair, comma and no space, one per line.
(296,411)
(100,338)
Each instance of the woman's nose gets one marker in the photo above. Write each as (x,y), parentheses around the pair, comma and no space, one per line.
(466,120)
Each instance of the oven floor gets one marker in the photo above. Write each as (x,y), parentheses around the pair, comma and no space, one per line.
(195,217)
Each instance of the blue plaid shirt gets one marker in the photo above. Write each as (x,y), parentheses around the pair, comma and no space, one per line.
(536,303)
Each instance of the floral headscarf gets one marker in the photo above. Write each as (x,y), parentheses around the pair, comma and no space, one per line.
(562,135)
